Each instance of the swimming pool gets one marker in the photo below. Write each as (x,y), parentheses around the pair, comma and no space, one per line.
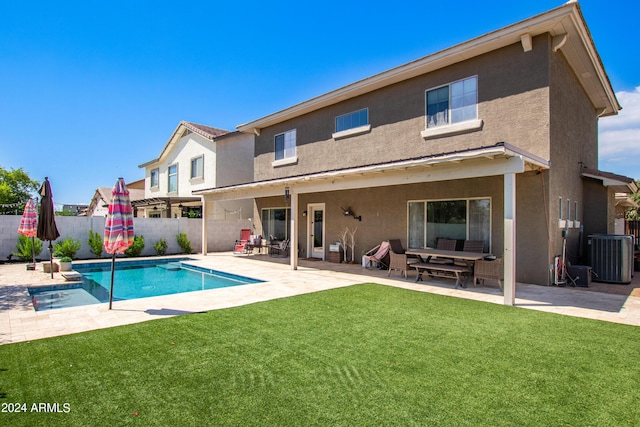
(133,279)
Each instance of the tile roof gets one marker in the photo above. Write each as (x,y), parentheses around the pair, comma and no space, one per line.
(206,131)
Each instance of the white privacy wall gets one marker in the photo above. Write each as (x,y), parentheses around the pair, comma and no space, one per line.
(221,233)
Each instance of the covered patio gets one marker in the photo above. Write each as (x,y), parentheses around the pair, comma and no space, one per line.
(501,161)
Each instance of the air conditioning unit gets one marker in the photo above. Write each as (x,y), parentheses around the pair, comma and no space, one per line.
(611,257)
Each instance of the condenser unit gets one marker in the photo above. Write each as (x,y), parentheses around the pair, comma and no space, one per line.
(611,257)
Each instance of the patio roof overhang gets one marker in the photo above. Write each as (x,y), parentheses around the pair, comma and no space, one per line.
(498,159)
(154,201)
(619,183)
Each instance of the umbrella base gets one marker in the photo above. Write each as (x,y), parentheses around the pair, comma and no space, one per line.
(31,267)
(46,266)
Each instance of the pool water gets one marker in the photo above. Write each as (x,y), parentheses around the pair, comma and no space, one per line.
(132,279)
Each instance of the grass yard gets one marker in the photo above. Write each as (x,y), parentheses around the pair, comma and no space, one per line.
(362,355)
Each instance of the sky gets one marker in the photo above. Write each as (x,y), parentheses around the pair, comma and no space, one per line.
(90,90)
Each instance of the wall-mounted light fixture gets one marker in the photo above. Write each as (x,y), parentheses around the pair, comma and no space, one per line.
(304,213)
(349,212)
(287,195)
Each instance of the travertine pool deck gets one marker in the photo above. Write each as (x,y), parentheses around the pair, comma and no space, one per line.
(20,322)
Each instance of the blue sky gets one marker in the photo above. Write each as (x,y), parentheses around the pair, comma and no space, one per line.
(90,90)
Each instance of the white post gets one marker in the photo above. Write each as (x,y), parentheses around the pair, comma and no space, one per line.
(204,226)
(509,255)
(293,242)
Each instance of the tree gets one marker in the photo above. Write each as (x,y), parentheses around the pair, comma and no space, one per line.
(634,213)
(16,187)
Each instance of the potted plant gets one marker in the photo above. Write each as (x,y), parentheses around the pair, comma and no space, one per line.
(65,263)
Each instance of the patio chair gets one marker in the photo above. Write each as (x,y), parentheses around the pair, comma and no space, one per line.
(377,255)
(446,245)
(398,259)
(240,245)
(471,246)
(279,248)
(487,269)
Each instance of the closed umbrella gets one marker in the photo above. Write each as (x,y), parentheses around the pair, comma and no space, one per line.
(118,227)
(29,226)
(47,229)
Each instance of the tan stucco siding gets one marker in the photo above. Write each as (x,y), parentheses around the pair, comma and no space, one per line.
(512,102)
(574,143)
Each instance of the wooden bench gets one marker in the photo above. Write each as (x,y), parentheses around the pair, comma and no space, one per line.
(442,270)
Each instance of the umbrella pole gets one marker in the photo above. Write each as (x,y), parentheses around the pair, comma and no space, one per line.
(51,258)
(33,251)
(113,268)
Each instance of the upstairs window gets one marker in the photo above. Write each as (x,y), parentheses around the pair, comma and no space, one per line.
(154,178)
(197,167)
(454,103)
(352,120)
(285,145)
(173,179)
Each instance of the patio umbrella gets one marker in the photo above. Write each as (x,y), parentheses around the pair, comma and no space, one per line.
(118,227)
(29,226)
(47,229)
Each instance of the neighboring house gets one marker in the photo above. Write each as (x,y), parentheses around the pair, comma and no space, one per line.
(99,205)
(197,157)
(494,139)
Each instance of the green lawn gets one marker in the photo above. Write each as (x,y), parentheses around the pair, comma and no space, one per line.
(362,355)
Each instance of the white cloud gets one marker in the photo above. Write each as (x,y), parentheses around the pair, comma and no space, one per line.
(619,137)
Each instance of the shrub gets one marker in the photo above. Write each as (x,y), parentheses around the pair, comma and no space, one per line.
(136,248)
(161,247)
(184,243)
(68,247)
(96,243)
(23,247)
(65,259)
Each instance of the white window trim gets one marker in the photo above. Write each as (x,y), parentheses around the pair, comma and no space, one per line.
(467,199)
(169,178)
(467,126)
(196,178)
(157,186)
(285,161)
(350,132)
(452,128)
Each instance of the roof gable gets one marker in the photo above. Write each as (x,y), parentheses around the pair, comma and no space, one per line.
(207,132)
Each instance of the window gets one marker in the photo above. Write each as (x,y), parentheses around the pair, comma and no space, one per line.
(452,219)
(275,222)
(155,174)
(352,120)
(285,145)
(197,167)
(454,103)
(173,179)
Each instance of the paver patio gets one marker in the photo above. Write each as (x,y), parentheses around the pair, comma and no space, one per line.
(20,322)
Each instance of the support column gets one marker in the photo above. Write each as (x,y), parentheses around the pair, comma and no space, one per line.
(509,255)
(293,242)
(204,225)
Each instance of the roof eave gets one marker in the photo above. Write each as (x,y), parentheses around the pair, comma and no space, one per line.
(549,22)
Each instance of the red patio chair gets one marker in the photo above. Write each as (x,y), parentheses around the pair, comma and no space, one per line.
(240,245)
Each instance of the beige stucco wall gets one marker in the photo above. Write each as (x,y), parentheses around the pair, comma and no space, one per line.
(574,143)
(384,216)
(188,147)
(512,102)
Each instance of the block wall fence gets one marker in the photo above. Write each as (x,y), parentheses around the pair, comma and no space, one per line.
(221,234)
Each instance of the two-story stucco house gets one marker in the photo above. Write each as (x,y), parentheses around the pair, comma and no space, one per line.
(196,157)
(494,139)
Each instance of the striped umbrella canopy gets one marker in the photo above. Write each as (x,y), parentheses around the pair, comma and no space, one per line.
(118,227)
(29,222)
(29,225)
